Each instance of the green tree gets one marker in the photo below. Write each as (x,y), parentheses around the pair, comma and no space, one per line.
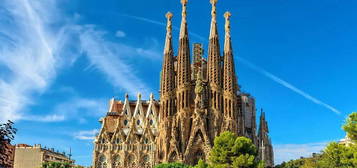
(351,126)
(56,165)
(172,165)
(232,151)
(339,156)
(201,164)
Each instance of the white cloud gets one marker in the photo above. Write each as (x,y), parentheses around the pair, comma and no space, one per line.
(33,51)
(110,58)
(120,34)
(80,108)
(86,135)
(47,118)
(289,86)
(27,51)
(286,152)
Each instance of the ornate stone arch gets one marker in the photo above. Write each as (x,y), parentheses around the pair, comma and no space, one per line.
(116,161)
(102,161)
(172,156)
(131,160)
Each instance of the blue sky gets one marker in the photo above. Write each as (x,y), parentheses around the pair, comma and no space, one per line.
(61,61)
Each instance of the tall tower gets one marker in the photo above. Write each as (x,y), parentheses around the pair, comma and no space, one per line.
(214,76)
(231,112)
(184,88)
(265,147)
(167,95)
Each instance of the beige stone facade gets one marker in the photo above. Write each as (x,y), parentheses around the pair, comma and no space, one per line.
(34,156)
(199,99)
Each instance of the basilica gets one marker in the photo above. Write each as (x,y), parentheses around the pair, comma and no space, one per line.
(199,98)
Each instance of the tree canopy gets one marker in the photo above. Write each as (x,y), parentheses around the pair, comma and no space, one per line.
(335,155)
(351,126)
(232,151)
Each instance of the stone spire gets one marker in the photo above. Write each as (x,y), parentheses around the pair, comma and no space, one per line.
(265,147)
(183,62)
(214,61)
(230,107)
(229,76)
(214,69)
(168,78)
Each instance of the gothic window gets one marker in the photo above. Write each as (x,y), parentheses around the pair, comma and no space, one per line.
(102,140)
(131,160)
(138,122)
(117,141)
(116,161)
(146,159)
(126,122)
(151,122)
(146,141)
(102,162)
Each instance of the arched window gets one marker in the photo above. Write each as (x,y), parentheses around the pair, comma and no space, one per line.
(146,141)
(138,122)
(102,162)
(102,140)
(117,140)
(131,160)
(126,122)
(116,161)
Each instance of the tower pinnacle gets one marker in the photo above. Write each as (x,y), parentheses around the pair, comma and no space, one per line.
(168,45)
(214,20)
(183,30)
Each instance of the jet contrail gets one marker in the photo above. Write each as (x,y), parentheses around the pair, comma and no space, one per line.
(254,67)
(287,85)
(161,24)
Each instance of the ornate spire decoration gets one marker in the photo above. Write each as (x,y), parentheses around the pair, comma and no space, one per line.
(183,30)
(229,77)
(214,20)
(227,42)
(183,58)
(168,41)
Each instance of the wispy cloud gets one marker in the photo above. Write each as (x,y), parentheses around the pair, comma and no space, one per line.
(110,58)
(86,135)
(286,152)
(27,51)
(120,34)
(37,40)
(288,85)
(46,118)
(199,37)
(77,108)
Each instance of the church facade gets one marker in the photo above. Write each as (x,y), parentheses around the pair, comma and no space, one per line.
(199,99)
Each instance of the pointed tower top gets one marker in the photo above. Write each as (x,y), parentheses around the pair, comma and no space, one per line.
(227,46)
(126,96)
(168,46)
(228,15)
(213,21)
(168,15)
(213,2)
(183,30)
(139,96)
(151,96)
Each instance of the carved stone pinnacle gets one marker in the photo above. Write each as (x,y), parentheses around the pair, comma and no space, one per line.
(183,2)
(213,2)
(168,15)
(227,15)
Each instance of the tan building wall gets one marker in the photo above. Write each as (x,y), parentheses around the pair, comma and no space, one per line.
(33,156)
(28,157)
